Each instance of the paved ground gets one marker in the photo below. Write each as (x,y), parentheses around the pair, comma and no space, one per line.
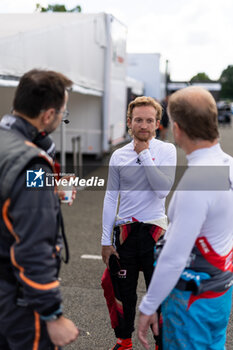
(83,297)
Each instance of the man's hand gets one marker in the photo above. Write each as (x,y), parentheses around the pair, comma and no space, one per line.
(74,192)
(62,194)
(139,146)
(61,190)
(144,322)
(62,331)
(108,250)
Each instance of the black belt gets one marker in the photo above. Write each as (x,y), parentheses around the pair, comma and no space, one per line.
(187,286)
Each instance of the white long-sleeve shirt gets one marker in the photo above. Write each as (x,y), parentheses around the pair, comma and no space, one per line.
(142,181)
(192,214)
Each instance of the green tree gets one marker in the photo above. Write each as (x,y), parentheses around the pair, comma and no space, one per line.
(200,77)
(56,8)
(226,79)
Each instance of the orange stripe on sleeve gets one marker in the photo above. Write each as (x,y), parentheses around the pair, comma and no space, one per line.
(39,286)
(37,332)
(12,254)
(29,282)
(6,219)
(31,144)
(49,160)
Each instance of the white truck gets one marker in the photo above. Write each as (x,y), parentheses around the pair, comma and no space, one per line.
(91,50)
(149,68)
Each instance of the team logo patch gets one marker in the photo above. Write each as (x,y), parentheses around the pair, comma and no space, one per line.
(122,274)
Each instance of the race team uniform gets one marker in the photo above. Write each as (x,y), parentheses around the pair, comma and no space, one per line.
(194,270)
(30,242)
(141,183)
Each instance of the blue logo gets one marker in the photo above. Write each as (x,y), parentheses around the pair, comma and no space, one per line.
(35,178)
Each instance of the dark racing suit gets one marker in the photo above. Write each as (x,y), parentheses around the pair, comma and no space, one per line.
(30,243)
(135,245)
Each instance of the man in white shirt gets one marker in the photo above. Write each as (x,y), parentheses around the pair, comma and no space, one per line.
(141,174)
(194,270)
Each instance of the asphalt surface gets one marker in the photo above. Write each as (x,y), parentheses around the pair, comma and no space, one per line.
(84,302)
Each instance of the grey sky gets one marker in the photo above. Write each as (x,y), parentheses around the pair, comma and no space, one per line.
(195,35)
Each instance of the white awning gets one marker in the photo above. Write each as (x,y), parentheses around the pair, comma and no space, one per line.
(177,85)
(8,83)
(86,91)
(75,88)
(208,86)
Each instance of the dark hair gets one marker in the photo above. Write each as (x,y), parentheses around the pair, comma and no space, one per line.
(195,111)
(40,90)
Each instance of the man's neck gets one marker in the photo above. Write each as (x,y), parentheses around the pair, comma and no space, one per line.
(193,145)
(135,138)
(33,121)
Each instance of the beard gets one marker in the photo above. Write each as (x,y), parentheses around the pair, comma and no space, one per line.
(145,136)
(52,126)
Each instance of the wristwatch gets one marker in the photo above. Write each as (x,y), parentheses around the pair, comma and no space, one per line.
(52,317)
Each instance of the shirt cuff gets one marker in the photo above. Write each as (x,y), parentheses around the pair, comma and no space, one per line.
(144,155)
(53,316)
(146,308)
(105,241)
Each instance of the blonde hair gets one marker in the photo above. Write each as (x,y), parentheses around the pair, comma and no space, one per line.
(144,101)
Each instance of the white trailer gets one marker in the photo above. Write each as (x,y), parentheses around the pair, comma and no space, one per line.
(91,50)
(150,69)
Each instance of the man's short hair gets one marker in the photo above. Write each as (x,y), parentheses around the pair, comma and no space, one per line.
(144,101)
(194,110)
(40,90)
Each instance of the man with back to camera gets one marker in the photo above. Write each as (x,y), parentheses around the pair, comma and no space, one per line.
(142,174)
(194,269)
(30,239)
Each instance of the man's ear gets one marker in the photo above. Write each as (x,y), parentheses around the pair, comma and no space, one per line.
(129,122)
(48,116)
(176,129)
